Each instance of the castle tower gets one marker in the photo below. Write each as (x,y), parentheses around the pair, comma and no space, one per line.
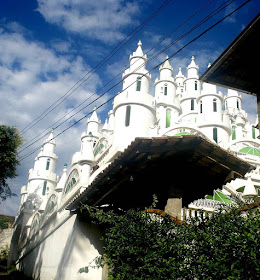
(133,110)
(165,93)
(233,101)
(188,102)
(42,178)
(179,80)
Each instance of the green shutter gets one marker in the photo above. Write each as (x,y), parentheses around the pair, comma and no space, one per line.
(138,84)
(215,134)
(168,118)
(48,164)
(165,90)
(127,115)
(44,188)
(233,134)
(253,132)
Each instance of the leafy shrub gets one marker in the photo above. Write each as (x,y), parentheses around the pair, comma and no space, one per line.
(141,245)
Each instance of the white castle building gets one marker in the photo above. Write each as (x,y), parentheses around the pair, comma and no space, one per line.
(181,107)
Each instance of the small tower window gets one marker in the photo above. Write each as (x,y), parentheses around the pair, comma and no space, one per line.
(48,164)
(233,133)
(192,105)
(196,85)
(168,118)
(165,89)
(127,115)
(215,134)
(214,105)
(237,104)
(201,107)
(138,84)
(253,132)
(44,188)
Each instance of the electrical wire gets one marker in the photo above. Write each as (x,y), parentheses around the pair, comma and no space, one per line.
(155,67)
(92,71)
(47,129)
(209,16)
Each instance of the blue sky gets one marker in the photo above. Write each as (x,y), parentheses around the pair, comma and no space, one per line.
(47,46)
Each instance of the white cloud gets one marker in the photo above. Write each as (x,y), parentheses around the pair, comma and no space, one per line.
(103,20)
(32,78)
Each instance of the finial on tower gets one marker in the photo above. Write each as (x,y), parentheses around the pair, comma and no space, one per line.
(139,43)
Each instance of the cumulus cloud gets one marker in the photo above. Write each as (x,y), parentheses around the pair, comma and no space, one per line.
(103,20)
(32,78)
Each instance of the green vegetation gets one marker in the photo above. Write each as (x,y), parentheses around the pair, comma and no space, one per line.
(6,221)
(139,245)
(10,140)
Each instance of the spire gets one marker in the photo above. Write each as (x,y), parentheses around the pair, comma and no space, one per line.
(193,64)
(94,117)
(51,137)
(166,65)
(139,51)
(179,75)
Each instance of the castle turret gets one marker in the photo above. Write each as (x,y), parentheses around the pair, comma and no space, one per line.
(188,102)
(165,93)
(42,178)
(179,80)
(61,183)
(133,110)
(233,101)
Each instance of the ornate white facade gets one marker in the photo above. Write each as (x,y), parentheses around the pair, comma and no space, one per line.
(180,106)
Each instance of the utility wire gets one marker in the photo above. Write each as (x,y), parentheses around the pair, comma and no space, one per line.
(174,30)
(220,8)
(92,71)
(155,67)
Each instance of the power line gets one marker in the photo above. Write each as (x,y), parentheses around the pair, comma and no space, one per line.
(217,10)
(92,71)
(155,67)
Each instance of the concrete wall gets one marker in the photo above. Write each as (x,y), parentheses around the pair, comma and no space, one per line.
(73,245)
(5,237)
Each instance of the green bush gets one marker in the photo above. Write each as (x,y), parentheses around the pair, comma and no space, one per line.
(140,245)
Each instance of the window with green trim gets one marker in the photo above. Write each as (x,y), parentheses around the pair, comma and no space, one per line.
(48,164)
(127,115)
(237,104)
(201,107)
(168,118)
(253,132)
(138,84)
(44,188)
(214,105)
(233,133)
(196,85)
(192,104)
(215,134)
(165,89)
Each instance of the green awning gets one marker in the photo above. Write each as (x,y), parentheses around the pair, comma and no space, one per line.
(250,151)
(182,133)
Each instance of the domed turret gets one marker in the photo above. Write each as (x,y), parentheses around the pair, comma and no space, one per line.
(133,104)
(165,92)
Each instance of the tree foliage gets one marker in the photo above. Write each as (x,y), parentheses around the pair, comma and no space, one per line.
(10,140)
(141,245)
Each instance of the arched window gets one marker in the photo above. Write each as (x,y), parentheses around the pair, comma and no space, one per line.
(138,84)
(168,118)
(233,133)
(192,104)
(44,188)
(201,107)
(165,89)
(237,104)
(127,115)
(253,132)
(196,85)
(48,164)
(214,105)
(215,134)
